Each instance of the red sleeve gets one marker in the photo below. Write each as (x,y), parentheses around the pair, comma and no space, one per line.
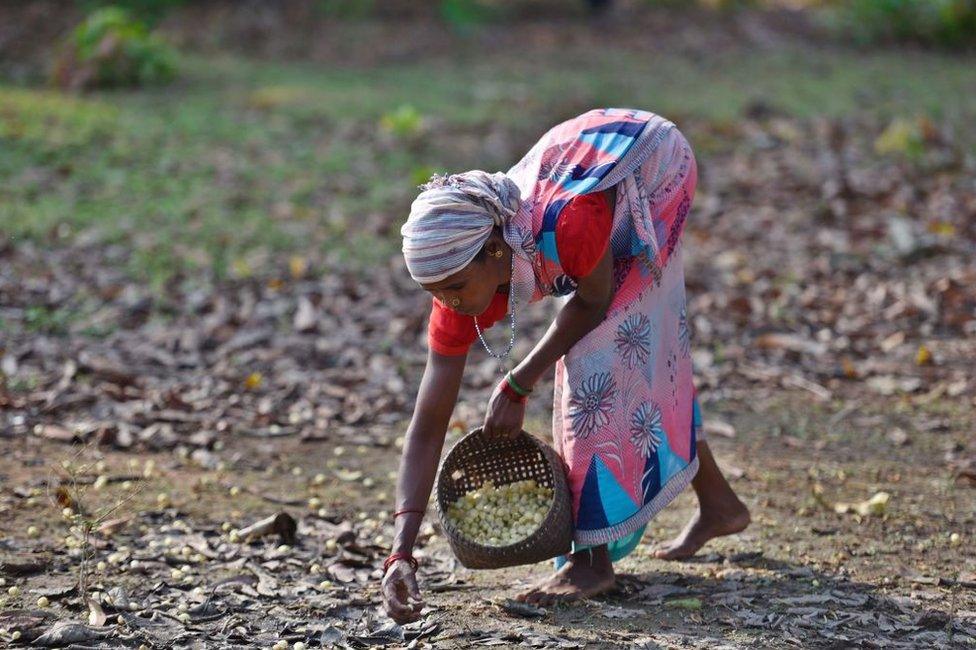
(450,333)
(583,233)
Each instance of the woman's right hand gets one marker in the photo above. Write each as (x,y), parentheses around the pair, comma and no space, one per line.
(399,588)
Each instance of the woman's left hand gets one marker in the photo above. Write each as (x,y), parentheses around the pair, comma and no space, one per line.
(504,417)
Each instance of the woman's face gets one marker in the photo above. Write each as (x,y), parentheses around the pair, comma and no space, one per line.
(470,290)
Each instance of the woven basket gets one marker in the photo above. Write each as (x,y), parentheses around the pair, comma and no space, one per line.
(473,460)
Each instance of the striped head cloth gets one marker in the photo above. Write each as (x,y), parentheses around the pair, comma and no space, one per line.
(452,218)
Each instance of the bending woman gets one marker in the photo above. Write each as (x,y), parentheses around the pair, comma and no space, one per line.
(593,213)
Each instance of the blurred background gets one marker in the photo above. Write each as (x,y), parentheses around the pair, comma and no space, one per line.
(200,206)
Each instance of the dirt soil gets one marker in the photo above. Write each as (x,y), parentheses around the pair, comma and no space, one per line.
(832,298)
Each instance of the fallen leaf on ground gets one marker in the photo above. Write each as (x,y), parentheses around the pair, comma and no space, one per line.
(523,610)
(282,524)
(719,428)
(685,603)
(875,506)
(96,615)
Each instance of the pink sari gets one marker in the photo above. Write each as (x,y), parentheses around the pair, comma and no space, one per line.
(625,417)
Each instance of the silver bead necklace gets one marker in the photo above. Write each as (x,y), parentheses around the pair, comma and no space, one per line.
(511,342)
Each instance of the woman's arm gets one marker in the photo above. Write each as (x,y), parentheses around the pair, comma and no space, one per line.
(418,467)
(424,441)
(578,317)
(584,311)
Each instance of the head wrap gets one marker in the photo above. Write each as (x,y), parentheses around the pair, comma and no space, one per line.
(452,219)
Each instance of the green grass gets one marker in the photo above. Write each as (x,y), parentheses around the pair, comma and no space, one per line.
(241,163)
(42,319)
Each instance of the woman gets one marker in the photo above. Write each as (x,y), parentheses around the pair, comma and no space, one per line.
(594,212)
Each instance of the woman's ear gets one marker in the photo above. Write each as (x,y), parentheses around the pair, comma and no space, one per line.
(495,246)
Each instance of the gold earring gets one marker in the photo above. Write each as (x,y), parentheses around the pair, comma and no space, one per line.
(497,253)
(455,302)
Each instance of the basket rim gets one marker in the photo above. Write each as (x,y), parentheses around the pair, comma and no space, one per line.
(446,522)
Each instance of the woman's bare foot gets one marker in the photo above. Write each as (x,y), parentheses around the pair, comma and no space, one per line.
(720,512)
(706,524)
(582,576)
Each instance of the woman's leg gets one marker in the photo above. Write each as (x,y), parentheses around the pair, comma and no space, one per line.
(720,512)
(586,573)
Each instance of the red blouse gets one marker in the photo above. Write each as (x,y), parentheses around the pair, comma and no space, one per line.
(582,237)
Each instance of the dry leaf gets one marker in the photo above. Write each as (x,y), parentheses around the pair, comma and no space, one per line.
(875,506)
(719,428)
(297,266)
(892,341)
(685,603)
(55,432)
(791,342)
(253,381)
(110,527)
(96,615)
(282,524)
(923,357)
(348,475)
(306,318)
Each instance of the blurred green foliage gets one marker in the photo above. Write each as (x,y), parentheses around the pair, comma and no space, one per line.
(403,122)
(111,48)
(464,14)
(347,9)
(947,23)
(458,14)
(247,159)
(708,4)
(902,137)
(148,11)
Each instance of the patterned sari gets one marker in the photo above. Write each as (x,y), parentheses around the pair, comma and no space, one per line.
(625,416)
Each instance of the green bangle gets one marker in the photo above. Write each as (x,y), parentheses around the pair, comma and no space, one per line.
(518,389)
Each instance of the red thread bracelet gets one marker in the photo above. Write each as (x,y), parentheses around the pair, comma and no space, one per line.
(393,557)
(511,394)
(406,510)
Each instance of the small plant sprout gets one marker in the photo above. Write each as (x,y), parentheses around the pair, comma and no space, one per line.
(84,518)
